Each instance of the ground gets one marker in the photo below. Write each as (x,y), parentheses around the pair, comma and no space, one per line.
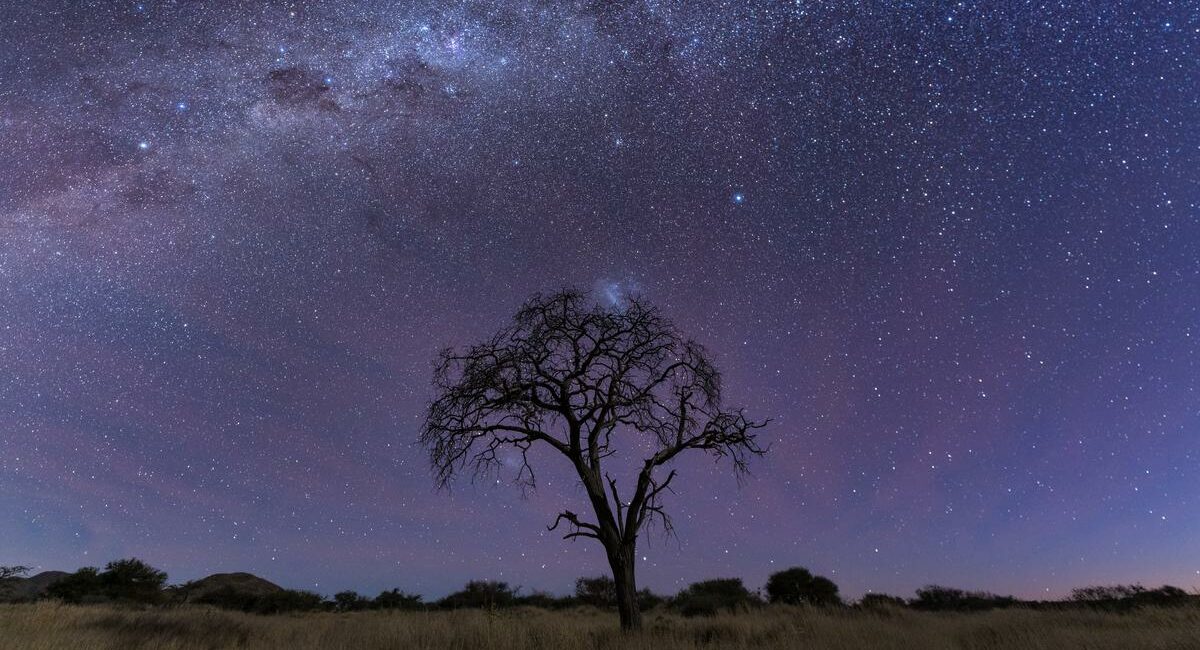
(46,626)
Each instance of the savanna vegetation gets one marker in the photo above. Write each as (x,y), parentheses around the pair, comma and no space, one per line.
(52,625)
(128,605)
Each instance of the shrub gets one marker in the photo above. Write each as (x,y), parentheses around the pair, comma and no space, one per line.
(350,601)
(82,586)
(480,594)
(797,586)
(288,600)
(649,600)
(935,598)
(709,597)
(396,599)
(10,575)
(230,598)
(133,580)
(879,601)
(597,592)
(544,600)
(1130,596)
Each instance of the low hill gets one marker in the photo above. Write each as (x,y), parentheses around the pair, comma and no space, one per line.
(32,587)
(245,584)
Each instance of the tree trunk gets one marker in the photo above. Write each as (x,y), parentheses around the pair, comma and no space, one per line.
(622,561)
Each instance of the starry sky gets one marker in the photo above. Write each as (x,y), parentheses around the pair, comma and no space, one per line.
(951,249)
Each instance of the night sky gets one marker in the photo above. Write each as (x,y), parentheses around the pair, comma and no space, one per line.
(952,250)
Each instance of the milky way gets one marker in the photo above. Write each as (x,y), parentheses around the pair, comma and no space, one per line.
(951,250)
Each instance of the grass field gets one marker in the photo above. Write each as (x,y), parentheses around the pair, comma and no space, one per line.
(46,626)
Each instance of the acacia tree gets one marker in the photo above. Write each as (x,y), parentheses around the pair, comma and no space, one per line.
(586,382)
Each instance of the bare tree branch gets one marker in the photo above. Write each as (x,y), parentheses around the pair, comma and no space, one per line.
(587,382)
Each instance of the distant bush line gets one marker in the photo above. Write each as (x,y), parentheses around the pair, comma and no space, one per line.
(132,581)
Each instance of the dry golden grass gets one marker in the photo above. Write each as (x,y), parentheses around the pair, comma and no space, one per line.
(49,626)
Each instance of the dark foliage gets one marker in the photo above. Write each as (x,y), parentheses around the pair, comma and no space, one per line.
(9,575)
(935,598)
(396,599)
(796,586)
(709,597)
(544,600)
(82,586)
(350,601)
(649,600)
(600,591)
(879,601)
(129,580)
(230,598)
(1120,597)
(289,600)
(277,602)
(482,594)
(133,580)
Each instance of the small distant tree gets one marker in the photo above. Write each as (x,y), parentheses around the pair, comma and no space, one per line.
(350,601)
(797,586)
(709,597)
(133,580)
(586,382)
(396,599)
(9,575)
(82,586)
(599,591)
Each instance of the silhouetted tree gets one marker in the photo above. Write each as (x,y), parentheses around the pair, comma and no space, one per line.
(709,597)
(134,580)
(10,575)
(583,381)
(797,585)
(82,586)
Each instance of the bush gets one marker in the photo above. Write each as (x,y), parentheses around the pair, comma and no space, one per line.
(544,600)
(396,599)
(133,580)
(230,598)
(484,594)
(797,586)
(1130,596)
(10,575)
(879,601)
(80,587)
(649,600)
(709,597)
(288,600)
(597,592)
(935,598)
(350,601)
